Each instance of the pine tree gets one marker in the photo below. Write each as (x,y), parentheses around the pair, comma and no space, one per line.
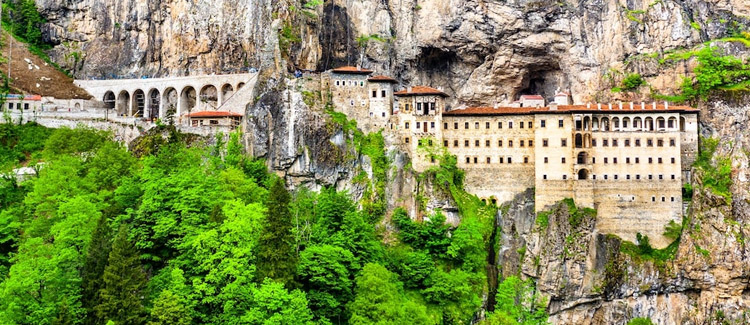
(124,282)
(277,258)
(93,267)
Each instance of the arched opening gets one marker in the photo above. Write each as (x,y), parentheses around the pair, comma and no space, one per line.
(583,174)
(682,124)
(109,100)
(154,98)
(615,124)
(170,100)
(240,85)
(209,98)
(139,103)
(661,123)
(77,107)
(226,92)
(649,124)
(671,123)
(605,124)
(625,123)
(187,100)
(595,127)
(587,123)
(123,102)
(637,124)
(587,140)
(579,124)
(579,140)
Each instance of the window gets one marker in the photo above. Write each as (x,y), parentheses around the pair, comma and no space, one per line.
(627,176)
(661,177)
(565,177)
(606,160)
(670,123)
(445,126)
(455,143)
(455,125)
(476,143)
(432,159)
(382,93)
(531,143)
(445,143)
(525,160)
(545,143)
(418,125)
(530,124)
(487,143)
(374,93)
(406,125)
(671,198)
(637,176)
(593,142)
(650,177)
(546,160)
(605,142)
(659,142)
(488,160)
(509,160)
(563,160)
(627,160)
(564,142)
(337,82)
(486,125)
(544,176)
(663,198)
(653,199)
(560,123)
(476,125)
(406,140)
(673,176)
(419,107)
(673,160)
(615,176)
(650,160)
(468,160)
(510,143)
(543,123)
(614,142)
(501,160)
(500,143)
(475,160)
(605,176)
(627,142)
(466,143)
(432,125)
(614,160)
(510,124)
(499,125)
(382,114)
(521,124)
(593,160)
(637,142)
(429,142)
(593,176)
(521,143)
(659,160)
(466,125)
(671,142)
(649,142)
(637,160)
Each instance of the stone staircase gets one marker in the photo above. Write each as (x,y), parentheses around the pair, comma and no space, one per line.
(241,98)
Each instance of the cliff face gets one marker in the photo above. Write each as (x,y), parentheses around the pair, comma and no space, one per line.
(480,52)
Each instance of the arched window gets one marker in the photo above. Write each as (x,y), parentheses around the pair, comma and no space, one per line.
(587,123)
(583,174)
(625,122)
(682,124)
(605,124)
(637,123)
(616,124)
(579,140)
(581,158)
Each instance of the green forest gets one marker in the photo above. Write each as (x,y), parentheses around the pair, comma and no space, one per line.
(200,233)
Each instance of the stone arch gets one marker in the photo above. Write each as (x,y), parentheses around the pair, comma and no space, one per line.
(587,123)
(672,122)
(77,107)
(123,102)
(605,124)
(649,124)
(625,123)
(579,140)
(637,123)
(615,123)
(682,124)
(240,85)
(226,91)
(587,140)
(188,100)
(170,100)
(661,123)
(209,99)
(154,101)
(109,99)
(583,174)
(595,122)
(581,158)
(138,104)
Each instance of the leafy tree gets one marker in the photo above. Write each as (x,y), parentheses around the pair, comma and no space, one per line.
(379,299)
(640,321)
(273,304)
(326,273)
(124,280)
(93,266)
(468,246)
(518,301)
(170,309)
(66,141)
(632,81)
(109,167)
(455,292)
(431,235)
(413,267)
(277,257)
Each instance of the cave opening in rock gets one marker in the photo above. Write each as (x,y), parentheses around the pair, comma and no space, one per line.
(433,59)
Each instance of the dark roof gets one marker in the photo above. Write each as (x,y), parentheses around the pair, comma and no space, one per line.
(382,79)
(488,111)
(420,90)
(214,114)
(352,70)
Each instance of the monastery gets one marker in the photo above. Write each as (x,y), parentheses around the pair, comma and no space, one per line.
(628,161)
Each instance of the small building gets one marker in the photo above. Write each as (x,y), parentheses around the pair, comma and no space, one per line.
(532,101)
(215,118)
(381,99)
(420,110)
(22,102)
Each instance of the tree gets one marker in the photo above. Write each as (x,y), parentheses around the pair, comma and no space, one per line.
(380,300)
(170,309)
(277,257)
(94,265)
(273,304)
(124,283)
(326,274)
(518,301)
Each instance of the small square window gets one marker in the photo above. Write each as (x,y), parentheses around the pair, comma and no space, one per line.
(487,125)
(501,160)
(530,124)
(466,125)
(543,123)
(650,177)
(466,143)
(476,125)
(614,142)
(605,176)
(663,199)
(382,93)
(671,142)
(545,143)
(487,143)
(650,160)
(468,160)
(659,143)
(637,176)
(406,125)
(605,160)
(637,160)
(671,198)
(627,160)
(499,125)
(637,142)
(546,160)
(615,176)
(565,177)
(653,199)
(627,142)
(475,160)
(445,126)
(531,143)
(562,160)
(522,143)
(627,176)
(510,124)
(455,143)
(419,125)
(659,160)
(563,142)
(374,93)
(521,124)
(661,177)
(560,123)
(614,160)
(673,160)
(445,143)
(499,143)
(544,176)
(525,160)
(649,142)
(406,140)
(476,143)
(673,176)
(455,125)
(488,160)
(432,125)
(509,160)
(510,143)
(605,142)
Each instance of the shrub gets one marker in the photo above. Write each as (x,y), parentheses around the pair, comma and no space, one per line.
(632,81)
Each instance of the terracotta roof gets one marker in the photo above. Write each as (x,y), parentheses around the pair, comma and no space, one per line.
(531,97)
(477,111)
(353,70)
(420,90)
(214,114)
(24,97)
(382,79)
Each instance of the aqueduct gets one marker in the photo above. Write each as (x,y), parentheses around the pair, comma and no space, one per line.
(155,97)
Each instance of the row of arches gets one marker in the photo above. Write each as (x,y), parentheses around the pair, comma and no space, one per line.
(157,103)
(627,124)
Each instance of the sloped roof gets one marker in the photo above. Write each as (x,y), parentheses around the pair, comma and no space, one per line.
(420,90)
(24,97)
(214,114)
(488,111)
(352,70)
(535,97)
(382,79)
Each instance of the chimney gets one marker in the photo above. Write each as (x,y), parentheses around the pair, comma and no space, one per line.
(553,106)
(643,105)
(588,105)
(666,104)
(654,105)
(621,105)
(359,67)
(610,106)
(408,89)
(599,106)
(631,106)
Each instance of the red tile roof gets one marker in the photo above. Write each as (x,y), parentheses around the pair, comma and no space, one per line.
(488,111)
(531,97)
(420,90)
(24,97)
(214,114)
(382,79)
(353,70)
